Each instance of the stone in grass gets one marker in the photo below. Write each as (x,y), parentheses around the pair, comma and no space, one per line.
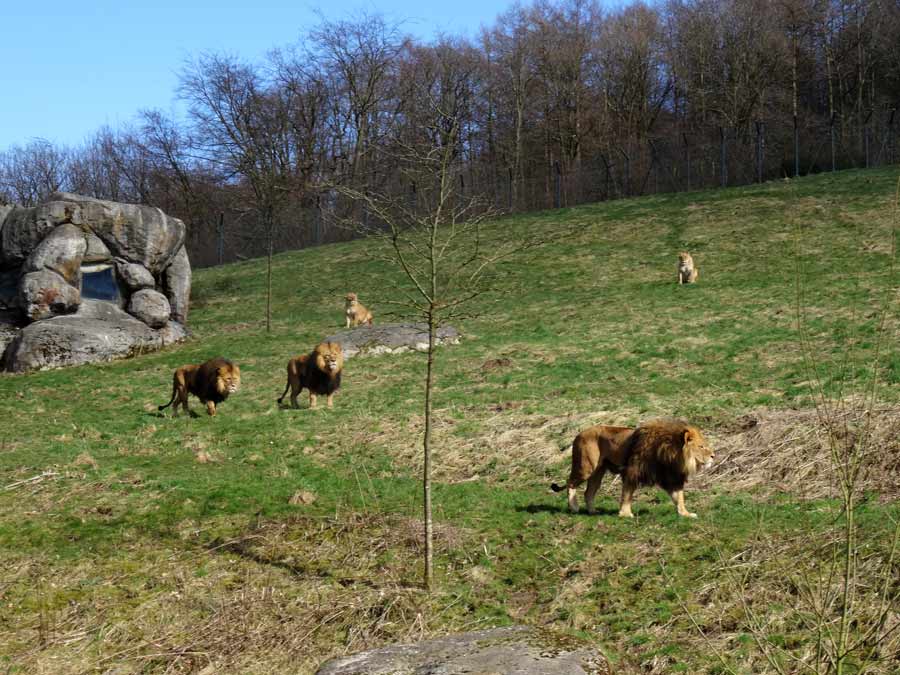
(519,649)
(390,338)
(302,497)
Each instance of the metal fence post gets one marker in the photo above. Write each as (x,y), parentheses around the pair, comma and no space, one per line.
(890,135)
(759,152)
(687,152)
(796,146)
(220,238)
(833,155)
(626,183)
(654,165)
(412,196)
(318,221)
(606,179)
(558,196)
(723,157)
(866,136)
(509,188)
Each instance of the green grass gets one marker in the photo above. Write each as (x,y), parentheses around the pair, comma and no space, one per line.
(136,555)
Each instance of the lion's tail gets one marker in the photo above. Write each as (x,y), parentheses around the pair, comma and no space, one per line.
(557,488)
(174,393)
(286,387)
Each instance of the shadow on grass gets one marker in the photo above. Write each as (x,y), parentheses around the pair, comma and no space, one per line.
(563,509)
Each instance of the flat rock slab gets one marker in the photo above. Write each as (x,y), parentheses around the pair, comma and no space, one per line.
(518,650)
(390,338)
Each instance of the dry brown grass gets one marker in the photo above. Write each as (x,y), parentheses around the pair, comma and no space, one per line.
(772,451)
(279,598)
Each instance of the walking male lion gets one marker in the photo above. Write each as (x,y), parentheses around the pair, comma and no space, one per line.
(319,372)
(666,453)
(211,381)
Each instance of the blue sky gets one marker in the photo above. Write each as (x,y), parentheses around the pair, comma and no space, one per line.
(70,67)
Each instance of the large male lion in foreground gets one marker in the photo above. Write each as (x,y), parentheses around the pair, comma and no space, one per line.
(665,453)
(595,451)
(211,382)
(319,371)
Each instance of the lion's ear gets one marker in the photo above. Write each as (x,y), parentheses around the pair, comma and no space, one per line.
(688,435)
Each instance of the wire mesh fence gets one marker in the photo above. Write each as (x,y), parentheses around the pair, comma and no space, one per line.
(686,160)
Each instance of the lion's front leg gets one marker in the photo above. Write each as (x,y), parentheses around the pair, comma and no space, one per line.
(312,400)
(348,321)
(678,499)
(625,503)
(330,400)
(211,408)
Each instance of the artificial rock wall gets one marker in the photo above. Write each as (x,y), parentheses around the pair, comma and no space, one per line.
(85,279)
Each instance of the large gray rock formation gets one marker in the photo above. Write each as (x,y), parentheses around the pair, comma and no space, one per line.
(500,651)
(98,331)
(71,248)
(390,338)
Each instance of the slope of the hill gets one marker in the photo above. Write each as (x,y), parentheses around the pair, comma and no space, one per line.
(144,543)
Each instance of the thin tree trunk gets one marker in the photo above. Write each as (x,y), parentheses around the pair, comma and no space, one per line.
(426,479)
(270,245)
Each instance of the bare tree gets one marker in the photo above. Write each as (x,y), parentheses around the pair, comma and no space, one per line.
(243,125)
(30,173)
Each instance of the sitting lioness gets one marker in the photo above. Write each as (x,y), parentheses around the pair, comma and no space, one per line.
(356,313)
(687,273)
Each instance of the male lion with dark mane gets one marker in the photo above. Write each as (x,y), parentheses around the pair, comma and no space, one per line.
(211,382)
(666,453)
(595,451)
(319,371)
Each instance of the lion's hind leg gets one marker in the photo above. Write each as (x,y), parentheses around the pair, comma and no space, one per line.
(592,487)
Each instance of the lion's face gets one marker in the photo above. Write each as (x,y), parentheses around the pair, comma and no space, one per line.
(228,379)
(697,453)
(685,258)
(351,298)
(330,358)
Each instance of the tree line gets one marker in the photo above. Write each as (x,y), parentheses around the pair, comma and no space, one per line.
(555,103)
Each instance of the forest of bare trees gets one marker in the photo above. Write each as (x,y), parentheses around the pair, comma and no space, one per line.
(556,103)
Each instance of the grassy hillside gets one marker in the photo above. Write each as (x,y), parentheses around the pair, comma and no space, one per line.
(155,544)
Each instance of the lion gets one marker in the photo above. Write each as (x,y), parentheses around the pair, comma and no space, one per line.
(212,382)
(666,453)
(356,312)
(687,273)
(319,372)
(595,451)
